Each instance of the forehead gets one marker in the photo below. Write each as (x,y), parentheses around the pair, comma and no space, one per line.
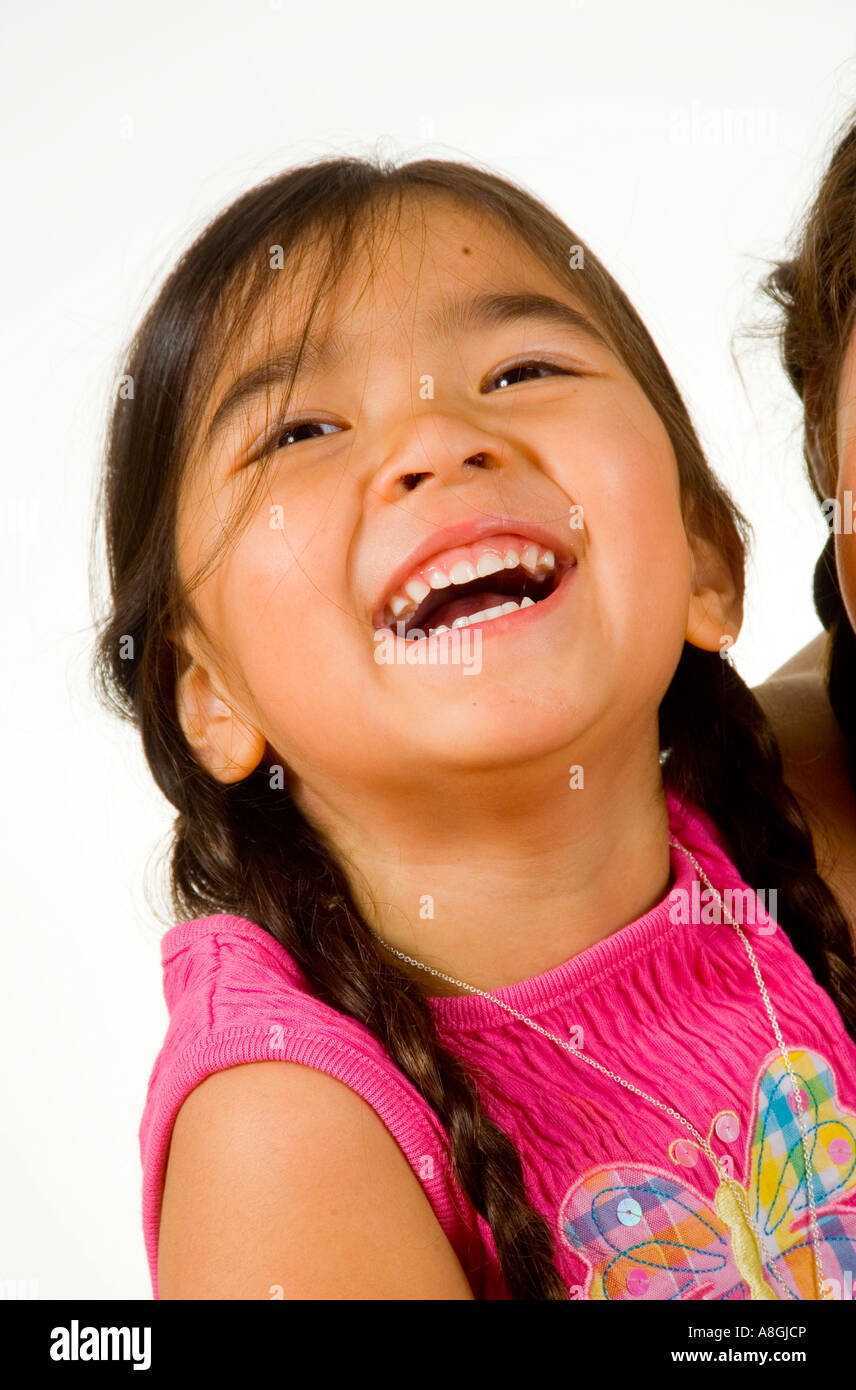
(404,262)
(417,250)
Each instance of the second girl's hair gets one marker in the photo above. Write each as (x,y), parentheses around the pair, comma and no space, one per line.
(246,849)
(815,292)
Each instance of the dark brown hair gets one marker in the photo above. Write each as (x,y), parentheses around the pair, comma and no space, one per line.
(815,291)
(246,850)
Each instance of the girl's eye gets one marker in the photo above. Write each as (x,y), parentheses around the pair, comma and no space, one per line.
(509,376)
(291,433)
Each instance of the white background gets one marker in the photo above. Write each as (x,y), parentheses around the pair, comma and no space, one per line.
(680,141)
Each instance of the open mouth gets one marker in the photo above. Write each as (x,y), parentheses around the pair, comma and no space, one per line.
(482,575)
(482,599)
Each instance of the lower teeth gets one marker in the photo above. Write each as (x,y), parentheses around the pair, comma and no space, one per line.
(487,615)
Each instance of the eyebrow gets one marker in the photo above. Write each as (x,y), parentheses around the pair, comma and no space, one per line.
(463,314)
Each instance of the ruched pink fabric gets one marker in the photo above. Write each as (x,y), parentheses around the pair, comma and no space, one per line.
(672,1006)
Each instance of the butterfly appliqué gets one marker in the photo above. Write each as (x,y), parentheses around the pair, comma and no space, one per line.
(644,1232)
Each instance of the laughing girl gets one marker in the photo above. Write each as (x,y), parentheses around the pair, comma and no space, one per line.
(446,1018)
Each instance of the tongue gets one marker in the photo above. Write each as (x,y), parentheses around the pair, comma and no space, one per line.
(464,607)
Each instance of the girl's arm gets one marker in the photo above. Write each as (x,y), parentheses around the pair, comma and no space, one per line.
(282,1178)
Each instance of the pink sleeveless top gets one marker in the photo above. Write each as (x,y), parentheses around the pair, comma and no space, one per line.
(669,1002)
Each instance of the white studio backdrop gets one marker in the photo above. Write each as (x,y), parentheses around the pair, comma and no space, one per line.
(680,142)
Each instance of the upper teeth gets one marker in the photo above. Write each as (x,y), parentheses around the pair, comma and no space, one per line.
(440,575)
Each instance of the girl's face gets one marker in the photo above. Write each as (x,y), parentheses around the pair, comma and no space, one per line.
(465,407)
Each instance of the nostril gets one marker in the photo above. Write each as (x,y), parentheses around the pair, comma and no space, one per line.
(480,459)
(411,479)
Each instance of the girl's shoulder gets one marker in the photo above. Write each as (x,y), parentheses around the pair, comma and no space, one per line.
(236,996)
(224,971)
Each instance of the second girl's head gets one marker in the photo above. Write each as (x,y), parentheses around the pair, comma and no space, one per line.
(816,291)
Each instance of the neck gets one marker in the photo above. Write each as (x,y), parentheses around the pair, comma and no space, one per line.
(511,877)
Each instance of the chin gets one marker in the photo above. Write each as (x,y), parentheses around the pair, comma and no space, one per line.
(490,733)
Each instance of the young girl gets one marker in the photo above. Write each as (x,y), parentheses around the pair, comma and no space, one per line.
(812,699)
(474,1000)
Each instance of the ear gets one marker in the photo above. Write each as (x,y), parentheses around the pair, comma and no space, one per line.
(716,603)
(222,741)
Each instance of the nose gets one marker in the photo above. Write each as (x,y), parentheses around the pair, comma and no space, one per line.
(444,451)
(412,480)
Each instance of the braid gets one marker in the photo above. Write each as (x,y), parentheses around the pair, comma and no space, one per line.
(247,852)
(723,756)
(841,672)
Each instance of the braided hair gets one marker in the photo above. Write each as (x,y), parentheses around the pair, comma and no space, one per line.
(248,850)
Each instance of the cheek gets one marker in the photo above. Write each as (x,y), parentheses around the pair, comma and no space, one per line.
(845,540)
(846,561)
(279,610)
(624,474)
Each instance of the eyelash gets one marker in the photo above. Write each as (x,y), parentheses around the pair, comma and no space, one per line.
(272,445)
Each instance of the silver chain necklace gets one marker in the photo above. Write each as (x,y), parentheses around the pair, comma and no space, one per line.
(730,1192)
